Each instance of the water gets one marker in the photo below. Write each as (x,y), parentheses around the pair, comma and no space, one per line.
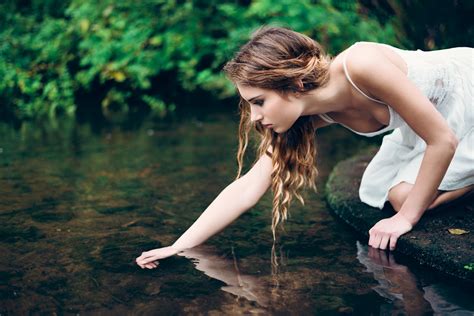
(79,204)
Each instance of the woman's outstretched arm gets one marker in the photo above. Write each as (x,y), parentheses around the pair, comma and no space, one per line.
(234,200)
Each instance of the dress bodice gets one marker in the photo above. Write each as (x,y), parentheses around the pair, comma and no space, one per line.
(429,71)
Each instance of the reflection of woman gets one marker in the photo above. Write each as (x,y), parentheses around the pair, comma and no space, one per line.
(398,285)
(220,268)
(289,88)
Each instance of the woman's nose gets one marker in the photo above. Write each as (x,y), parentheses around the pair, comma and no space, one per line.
(255,114)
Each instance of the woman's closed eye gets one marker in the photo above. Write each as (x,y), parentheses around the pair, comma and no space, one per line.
(258,102)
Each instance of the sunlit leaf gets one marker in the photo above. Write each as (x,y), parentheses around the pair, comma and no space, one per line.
(457,231)
(118,76)
(84,24)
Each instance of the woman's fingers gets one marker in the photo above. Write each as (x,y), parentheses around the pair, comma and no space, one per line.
(142,262)
(150,265)
(147,257)
(144,258)
(147,260)
(372,239)
(144,255)
(379,241)
(393,242)
(384,241)
(375,240)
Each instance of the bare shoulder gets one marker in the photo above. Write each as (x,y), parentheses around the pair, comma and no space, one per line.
(365,59)
(382,78)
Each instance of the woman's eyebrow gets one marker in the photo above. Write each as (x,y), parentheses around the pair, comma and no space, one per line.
(250,100)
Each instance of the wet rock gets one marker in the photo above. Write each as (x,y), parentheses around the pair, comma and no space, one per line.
(429,243)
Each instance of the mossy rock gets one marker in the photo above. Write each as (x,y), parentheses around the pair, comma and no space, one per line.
(429,243)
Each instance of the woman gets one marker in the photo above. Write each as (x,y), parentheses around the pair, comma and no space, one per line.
(289,88)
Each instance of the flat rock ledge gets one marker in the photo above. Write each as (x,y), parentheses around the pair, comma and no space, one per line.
(429,243)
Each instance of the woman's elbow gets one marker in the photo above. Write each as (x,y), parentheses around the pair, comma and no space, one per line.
(448,142)
(451,142)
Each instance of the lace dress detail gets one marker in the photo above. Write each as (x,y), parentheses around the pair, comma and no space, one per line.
(446,78)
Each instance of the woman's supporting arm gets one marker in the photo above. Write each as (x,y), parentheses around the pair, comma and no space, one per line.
(433,167)
(375,73)
(234,200)
(385,233)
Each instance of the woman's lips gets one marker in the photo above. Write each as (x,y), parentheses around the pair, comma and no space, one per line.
(267,125)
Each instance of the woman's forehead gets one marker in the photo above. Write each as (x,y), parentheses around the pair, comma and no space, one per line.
(249,92)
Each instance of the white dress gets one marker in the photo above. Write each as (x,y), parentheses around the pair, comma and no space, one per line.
(446,77)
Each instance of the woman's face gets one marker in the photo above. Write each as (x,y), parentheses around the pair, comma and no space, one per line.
(272,110)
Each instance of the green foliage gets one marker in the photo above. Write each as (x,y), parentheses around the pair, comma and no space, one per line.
(131,50)
(36,77)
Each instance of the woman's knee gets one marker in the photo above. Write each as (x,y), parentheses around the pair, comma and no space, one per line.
(398,194)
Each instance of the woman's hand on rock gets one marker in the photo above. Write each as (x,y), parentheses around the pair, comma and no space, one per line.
(385,233)
(148,259)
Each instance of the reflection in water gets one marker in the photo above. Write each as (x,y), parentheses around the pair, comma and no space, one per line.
(77,206)
(396,282)
(227,271)
(399,286)
(436,295)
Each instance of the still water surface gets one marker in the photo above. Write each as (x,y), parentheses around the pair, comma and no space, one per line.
(79,204)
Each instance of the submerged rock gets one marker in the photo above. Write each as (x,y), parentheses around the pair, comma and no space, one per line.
(430,243)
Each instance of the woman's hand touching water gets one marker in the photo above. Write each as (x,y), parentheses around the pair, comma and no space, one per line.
(148,259)
(385,233)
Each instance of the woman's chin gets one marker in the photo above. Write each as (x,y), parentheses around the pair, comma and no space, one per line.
(279,130)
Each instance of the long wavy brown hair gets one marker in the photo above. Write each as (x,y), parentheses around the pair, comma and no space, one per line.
(287,62)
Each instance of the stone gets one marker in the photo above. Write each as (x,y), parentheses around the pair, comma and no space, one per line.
(429,243)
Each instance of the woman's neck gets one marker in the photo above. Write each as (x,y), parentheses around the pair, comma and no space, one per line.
(333,97)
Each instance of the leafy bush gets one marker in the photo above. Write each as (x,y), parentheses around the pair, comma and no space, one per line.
(126,53)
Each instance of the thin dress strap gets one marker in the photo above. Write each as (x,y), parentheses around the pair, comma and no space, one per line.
(326,118)
(352,82)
